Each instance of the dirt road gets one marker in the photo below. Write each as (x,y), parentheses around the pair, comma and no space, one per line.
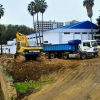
(79,81)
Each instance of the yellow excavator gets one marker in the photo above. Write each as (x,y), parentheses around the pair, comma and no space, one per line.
(23,50)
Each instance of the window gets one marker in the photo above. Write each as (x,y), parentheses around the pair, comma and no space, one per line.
(84,33)
(45,41)
(77,33)
(66,32)
(94,43)
(91,33)
(86,44)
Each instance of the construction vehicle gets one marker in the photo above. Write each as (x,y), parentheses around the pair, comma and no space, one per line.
(23,50)
(73,49)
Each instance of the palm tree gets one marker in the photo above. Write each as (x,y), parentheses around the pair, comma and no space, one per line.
(89,4)
(32,13)
(1,14)
(43,7)
(31,10)
(37,10)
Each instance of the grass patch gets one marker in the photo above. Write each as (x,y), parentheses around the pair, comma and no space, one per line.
(37,86)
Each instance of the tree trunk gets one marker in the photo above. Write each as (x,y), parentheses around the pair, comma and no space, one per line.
(89,11)
(90,14)
(38,29)
(91,28)
(33,29)
(42,29)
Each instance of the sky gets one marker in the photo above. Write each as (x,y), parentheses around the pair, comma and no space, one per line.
(58,10)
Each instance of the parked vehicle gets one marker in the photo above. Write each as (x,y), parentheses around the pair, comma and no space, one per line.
(73,49)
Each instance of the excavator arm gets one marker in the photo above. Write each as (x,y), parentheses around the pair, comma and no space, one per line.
(22,38)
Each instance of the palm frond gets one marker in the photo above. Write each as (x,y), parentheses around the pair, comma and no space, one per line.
(31,9)
(1,11)
(43,6)
(88,2)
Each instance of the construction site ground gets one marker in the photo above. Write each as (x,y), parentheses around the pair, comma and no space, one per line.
(74,79)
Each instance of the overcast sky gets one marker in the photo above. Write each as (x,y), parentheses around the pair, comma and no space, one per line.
(58,10)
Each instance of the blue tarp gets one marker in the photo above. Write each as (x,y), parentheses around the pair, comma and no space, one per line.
(74,42)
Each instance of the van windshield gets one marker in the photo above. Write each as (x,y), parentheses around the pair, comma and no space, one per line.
(94,43)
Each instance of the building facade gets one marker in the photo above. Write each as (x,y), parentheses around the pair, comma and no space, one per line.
(71,22)
(47,25)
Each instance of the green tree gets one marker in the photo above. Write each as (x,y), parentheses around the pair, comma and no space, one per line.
(89,4)
(9,32)
(3,31)
(43,7)
(1,14)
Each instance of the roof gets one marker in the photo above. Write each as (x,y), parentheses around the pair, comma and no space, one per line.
(88,40)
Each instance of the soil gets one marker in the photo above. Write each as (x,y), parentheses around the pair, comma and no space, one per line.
(75,79)
(1,94)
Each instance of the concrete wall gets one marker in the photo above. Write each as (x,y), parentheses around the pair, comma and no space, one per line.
(6,48)
(51,38)
(8,89)
(64,38)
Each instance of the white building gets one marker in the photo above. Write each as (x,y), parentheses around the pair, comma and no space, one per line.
(47,25)
(80,30)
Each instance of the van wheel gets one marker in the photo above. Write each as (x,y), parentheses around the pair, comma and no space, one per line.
(52,55)
(83,56)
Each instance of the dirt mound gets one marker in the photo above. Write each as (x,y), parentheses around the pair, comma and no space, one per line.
(30,70)
(33,70)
